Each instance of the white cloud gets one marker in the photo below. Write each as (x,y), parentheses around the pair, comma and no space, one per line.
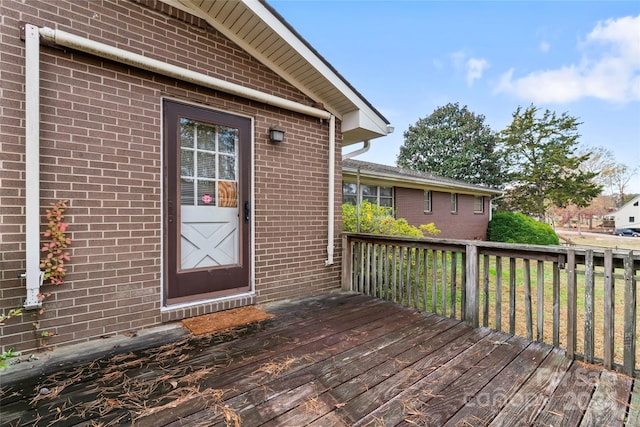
(544,47)
(472,67)
(475,67)
(609,69)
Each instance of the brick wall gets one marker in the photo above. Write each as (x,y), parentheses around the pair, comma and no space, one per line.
(465,224)
(101,150)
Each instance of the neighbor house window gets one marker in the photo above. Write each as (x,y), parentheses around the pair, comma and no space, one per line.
(427,201)
(381,196)
(478,204)
(632,219)
(454,202)
(349,193)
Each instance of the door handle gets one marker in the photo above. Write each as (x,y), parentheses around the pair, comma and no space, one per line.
(247,211)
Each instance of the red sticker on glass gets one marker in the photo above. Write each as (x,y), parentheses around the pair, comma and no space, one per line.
(207,199)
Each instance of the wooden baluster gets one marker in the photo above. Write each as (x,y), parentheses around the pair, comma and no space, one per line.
(630,308)
(572,304)
(609,309)
(540,302)
(589,314)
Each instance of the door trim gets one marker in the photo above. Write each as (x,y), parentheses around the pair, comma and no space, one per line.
(167,304)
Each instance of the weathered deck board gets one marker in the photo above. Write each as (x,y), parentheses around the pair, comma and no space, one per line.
(340,359)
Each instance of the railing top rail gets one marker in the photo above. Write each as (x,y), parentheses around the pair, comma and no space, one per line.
(497,248)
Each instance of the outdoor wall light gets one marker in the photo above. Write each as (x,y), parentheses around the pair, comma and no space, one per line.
(276,135)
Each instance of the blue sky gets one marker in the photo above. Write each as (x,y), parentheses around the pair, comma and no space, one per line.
(410,57)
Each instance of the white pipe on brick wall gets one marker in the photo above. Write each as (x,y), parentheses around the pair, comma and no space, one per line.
(102,50)
(33,273)
(332,189)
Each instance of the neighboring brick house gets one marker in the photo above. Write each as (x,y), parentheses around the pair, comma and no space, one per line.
(460,210)
(153,118)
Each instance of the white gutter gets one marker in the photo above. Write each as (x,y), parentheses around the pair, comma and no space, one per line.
(357,152)
(331,189)
(102,50)
(33,273)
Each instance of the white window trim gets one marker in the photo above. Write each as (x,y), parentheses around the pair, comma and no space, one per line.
(424,201)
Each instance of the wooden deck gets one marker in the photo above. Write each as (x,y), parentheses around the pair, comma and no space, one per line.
(336,360)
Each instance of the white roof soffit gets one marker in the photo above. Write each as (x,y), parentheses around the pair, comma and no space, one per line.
(262,32)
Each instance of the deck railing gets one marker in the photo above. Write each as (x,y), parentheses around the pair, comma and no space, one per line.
(582,300)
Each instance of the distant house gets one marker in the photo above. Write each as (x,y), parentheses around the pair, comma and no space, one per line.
(198,146)
(628,216)
(460,210)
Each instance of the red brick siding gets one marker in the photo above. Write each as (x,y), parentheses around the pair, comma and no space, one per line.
(465,224)
(101,150)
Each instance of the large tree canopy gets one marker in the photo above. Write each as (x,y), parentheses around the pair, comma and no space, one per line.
(543,167)
(454,143)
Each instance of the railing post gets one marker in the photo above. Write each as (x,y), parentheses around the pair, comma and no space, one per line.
(347,264)
(472,308)
(572,304)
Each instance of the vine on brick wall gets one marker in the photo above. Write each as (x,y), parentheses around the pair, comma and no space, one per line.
(54,256)
(54,269)
(55,249)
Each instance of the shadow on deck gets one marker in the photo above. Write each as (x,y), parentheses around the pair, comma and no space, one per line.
(335,360)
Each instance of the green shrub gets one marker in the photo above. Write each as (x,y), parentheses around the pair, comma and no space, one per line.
(513,227)
(376,219)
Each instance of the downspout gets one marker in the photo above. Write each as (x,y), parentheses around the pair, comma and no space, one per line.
(491,200)
(332,190)
(365,147)
(33,274)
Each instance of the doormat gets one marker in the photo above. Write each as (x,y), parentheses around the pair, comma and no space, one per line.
(225,319)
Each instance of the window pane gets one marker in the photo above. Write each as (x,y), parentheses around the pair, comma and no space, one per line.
(369,190)
(227,167)
(427,201)
(206,165)
(227,139)
(386,191)
(206,193)
(206,137)
(386,202)
(186,132)
(186,163)
(349,188)
(478,204)
(186,191)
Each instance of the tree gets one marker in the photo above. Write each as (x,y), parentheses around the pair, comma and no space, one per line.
(600,161)
(544,169)
(454,143)
(618,178)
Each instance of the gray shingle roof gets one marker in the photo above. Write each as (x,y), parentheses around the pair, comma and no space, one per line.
(399,176)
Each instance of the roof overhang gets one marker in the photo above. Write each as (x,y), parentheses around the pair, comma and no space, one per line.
(258,29)
(374,177)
